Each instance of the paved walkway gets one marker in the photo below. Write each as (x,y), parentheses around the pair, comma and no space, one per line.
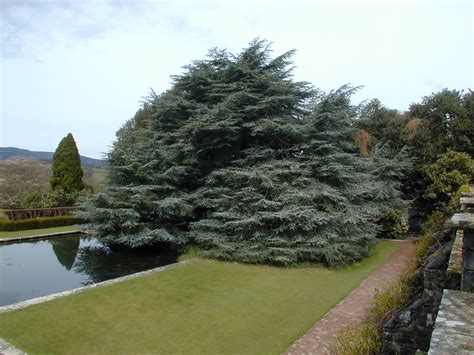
(354,308)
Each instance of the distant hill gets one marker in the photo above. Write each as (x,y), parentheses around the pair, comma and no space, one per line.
(10,152)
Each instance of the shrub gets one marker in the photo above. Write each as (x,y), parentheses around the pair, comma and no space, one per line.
(55,198)
(436,223)
(363,340)
(392,225)
(447,175)
(59,197)
(32,200)
(37,223)
(422,247)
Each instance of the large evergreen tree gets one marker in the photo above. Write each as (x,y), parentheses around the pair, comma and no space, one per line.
(313,201)
(66,167)
(245,162)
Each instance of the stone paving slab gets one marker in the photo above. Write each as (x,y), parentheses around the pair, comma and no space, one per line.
(463,220)
(466,201)
(352,310)
(8,349)
(454,328)
(468,194)
(39,236)
(455,259)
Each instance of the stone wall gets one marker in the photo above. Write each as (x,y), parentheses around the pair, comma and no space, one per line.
(410,329)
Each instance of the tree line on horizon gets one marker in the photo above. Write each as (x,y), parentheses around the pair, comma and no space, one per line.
(30,183)
(439,134)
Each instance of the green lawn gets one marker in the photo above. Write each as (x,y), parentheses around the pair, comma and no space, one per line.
(206,307)
(95,177)
(33,232)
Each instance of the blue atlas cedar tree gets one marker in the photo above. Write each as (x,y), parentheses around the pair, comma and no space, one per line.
(246,163)
(66,167)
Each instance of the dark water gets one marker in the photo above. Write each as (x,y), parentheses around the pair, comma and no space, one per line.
(37,268)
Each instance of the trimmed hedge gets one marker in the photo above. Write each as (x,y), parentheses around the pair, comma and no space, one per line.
(27,213)
(38,223)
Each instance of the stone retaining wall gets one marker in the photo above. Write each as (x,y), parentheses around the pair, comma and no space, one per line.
(410,329)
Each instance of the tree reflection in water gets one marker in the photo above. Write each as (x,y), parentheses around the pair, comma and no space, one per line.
(65,249)
(101,263)
(36,268)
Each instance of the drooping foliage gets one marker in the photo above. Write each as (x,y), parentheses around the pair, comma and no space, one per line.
(318,203)
(248,164)
(66,167)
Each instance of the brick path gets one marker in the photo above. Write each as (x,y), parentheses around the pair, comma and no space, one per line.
(354,308)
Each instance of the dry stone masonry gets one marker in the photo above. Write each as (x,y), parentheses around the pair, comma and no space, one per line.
(440,318)
(454,328)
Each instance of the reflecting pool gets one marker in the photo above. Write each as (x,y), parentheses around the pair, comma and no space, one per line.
(37,268)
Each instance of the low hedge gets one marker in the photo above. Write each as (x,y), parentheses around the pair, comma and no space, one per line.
(39,223)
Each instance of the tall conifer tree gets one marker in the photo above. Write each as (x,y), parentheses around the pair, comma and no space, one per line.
(66,167)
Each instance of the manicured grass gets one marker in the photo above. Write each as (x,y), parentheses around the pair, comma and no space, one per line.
(206,307)
(32,232)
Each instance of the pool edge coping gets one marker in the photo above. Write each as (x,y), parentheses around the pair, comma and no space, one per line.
(51,297)
(39,236)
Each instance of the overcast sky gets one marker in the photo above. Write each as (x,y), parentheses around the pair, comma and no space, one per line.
(82,66)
